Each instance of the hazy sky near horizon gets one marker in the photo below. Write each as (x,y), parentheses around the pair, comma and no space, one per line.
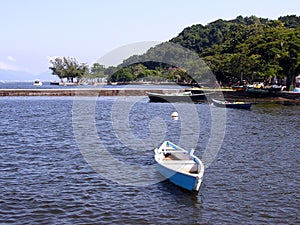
(34,30)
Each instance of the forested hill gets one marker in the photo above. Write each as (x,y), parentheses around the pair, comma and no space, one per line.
(199,37)
(247,47)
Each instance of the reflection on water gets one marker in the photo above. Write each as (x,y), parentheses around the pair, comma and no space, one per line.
(45,178)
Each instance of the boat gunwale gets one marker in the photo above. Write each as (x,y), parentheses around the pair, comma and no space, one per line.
(195,159)
(176,94)
(235,104)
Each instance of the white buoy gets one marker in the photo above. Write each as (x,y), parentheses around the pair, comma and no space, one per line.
(174,114)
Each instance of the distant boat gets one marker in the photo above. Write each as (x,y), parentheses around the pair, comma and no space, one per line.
(227,104)
(112,83)
(239,88)
(54,83)
(186,96)
(180,166)
(273,91)
(37,82)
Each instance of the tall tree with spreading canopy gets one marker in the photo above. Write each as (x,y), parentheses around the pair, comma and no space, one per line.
(68,68)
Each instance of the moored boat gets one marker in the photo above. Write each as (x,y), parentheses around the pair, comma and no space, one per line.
(37,82)
(54,83)
(239,88)
(180,166)
(236,104)
(264,92)
(185,96)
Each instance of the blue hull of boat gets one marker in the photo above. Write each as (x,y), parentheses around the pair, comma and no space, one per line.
(182,180)
(240,106)
(232,105)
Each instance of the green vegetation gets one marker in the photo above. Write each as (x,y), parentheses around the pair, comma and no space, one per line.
(246,48)
(148,71)
(68,68)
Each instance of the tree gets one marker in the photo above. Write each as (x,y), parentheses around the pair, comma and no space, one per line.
(97,71)
(291,21)
(68,68)
(122,75)
(58,67)
(109,71)
(289,57)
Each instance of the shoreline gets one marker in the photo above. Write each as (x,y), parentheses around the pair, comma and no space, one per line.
(83,92)
(291,97)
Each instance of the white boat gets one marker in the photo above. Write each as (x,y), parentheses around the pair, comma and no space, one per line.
(227,104)
(180,166)
(37,82)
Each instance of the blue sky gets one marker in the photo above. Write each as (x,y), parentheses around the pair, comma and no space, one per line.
(34,30)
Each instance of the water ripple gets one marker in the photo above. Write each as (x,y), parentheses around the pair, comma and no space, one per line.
(46,180)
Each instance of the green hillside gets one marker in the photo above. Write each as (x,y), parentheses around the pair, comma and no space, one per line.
(245,48)
(248,48)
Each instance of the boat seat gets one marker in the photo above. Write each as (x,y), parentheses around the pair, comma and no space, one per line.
(179,157)
(179,162)
(188,166)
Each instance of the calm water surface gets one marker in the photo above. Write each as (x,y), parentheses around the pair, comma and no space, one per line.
(45,179)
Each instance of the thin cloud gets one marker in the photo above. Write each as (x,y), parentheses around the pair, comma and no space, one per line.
(10,58)
(5,66)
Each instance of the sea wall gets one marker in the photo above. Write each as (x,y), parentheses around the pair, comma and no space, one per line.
(227,94)
(80,92)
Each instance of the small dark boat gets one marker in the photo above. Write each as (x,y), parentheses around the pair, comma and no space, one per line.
(54,83)
(186,96)
(227,104)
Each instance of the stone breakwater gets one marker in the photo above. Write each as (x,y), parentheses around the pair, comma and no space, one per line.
(227,94)
(80,92)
